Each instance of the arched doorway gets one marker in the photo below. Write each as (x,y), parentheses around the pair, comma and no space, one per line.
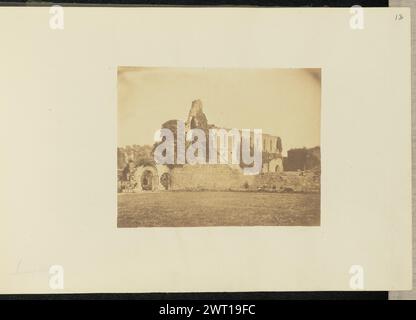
(165,180)
(276,165)
(148,177)
(147,180)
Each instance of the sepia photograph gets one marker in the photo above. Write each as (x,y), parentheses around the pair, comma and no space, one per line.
(218,147)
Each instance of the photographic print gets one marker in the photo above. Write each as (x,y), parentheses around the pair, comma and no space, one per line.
(218,147)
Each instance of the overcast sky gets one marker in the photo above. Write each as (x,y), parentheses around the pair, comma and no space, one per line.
(282,102)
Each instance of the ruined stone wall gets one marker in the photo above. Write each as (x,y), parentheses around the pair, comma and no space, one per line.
(209,177)
(223,177)
(302,159)
(271,144)
(308,181)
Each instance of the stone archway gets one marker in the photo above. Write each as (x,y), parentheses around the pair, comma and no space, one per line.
(276,165)
(165,180)
(147,178)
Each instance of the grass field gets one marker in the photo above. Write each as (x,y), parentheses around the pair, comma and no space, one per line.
(197,209)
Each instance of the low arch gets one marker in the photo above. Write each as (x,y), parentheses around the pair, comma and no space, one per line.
(276,165)
(147,177)
(165,180)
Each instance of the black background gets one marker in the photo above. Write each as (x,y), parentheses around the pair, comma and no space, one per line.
(241,3)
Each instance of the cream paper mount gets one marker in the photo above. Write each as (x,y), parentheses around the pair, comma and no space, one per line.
(311,77)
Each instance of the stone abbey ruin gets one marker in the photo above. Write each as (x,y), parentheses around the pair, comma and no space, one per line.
(298,172)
